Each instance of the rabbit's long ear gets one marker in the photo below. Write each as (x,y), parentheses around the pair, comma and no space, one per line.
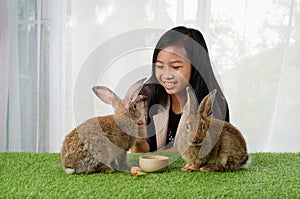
(189,111)
(206,105)
(191,105)
(133,91)
(107,96)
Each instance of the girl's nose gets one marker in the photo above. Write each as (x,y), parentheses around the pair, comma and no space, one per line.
(168,74)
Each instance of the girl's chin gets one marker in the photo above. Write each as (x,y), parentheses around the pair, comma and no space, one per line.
(171,92)
(176,92)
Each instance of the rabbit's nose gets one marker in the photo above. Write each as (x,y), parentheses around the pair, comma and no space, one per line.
(140,122)
(196,141)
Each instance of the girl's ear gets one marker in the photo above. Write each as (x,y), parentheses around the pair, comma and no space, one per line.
(107,96)
(133,92)
(205,107)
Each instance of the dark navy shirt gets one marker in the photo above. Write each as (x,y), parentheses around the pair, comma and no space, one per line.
(172,128)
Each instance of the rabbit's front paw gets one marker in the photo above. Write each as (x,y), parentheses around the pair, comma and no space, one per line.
(212,168)
(106,169)
(190,167)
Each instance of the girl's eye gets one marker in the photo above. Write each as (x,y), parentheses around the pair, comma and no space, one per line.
(159,66)
(176,67)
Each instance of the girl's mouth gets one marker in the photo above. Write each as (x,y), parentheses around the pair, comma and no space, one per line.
(169,85)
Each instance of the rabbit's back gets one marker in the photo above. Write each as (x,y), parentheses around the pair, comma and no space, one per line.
(73,153)
(229,150)
(72,149)
(233,143)
(233,139)
(121,132)
(101,133)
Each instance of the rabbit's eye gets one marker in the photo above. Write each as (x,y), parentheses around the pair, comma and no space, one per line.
(134,106)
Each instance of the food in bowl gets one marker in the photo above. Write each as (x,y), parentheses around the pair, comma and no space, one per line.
(153,163)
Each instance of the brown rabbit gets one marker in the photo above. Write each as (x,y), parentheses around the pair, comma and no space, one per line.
(101,143)
(207,143)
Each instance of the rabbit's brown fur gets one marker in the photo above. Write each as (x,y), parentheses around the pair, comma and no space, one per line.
(210,144)
(101,143)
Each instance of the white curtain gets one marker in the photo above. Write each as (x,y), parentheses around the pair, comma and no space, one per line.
(57,75)
(254,48)
(10,98)
(4,47)
(32,87)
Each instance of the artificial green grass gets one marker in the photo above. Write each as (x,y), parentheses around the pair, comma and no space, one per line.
(39,175)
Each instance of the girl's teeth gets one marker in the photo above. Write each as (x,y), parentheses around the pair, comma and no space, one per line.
(169,85)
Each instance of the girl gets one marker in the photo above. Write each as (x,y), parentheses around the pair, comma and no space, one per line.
(180,59)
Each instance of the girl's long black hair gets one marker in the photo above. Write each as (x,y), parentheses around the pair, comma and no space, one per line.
(202,78)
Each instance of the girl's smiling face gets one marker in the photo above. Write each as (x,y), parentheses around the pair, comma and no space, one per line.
(173,69)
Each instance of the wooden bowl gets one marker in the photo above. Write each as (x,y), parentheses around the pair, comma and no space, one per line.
(153,163)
